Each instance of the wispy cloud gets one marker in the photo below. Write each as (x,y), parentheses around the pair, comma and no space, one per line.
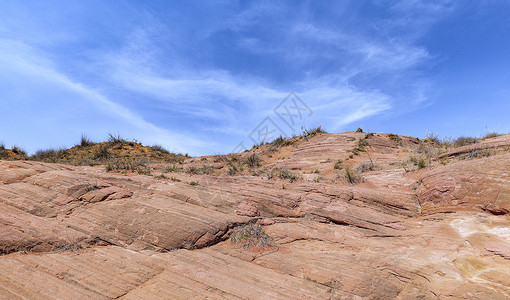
(213,77)
(19,58)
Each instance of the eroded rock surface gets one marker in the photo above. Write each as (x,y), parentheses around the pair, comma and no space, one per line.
(442,231)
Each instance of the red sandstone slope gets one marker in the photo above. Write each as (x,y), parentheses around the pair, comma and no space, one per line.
(396,231)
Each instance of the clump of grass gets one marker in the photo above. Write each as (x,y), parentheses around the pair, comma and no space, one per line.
(491,134)
(233,169)
(143,170)
(251,235)
(395,137)
(103,153)
(313,131)
(283,173)
(432,138)
(160,149)
(252,160)
(352,176)
(426,150)
(366,166)
(175,179)
(464,140)
(193,183)
(18,151)
(414,163)
(162,176)
(116,139)
(85,141)
(338,165)
(280,142)
(479,154)
(3,151)
(422,163)
(205,169)
(173,168)
(49,155)
(139,166)
(359,129)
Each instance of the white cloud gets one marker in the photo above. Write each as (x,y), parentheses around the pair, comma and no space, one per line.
(19,58)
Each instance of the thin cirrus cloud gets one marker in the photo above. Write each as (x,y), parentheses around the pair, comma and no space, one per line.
(195,82)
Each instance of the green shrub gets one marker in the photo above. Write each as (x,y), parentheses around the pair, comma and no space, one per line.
(359,129)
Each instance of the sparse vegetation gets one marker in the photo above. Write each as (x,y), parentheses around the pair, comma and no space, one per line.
(359,129)
(280,142)
(120,164)
(251,235)
(313,131)
(3,151)
(252,160)
(352,176)
(491,134)
(338,165)
(205,169)
(432,138)
(283,173)
(116,139)
(395,137)
(160,149)
(464,140)
(162,176)
(479,154)
(426,150)
(233,168)
(85,141)
(366,166)
(18,151)
(49,155)
(193,183)
(102,154)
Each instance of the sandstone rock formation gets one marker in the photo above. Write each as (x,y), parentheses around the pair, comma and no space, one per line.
(396,231)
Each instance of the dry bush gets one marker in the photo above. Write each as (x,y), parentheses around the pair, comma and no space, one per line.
(367,166)
(491,134)
(251,235)
(465,140)
(49,155)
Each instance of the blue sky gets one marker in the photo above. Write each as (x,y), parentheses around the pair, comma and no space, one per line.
(198,77)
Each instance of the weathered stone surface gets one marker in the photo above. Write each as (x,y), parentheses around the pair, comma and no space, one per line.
(69,232)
